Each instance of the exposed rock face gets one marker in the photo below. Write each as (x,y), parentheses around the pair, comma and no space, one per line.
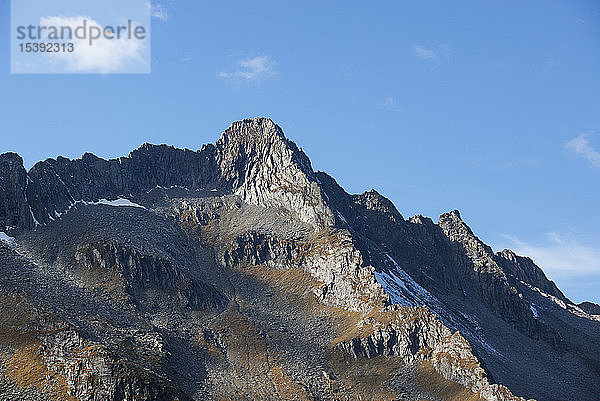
(137,274)
(91,373)
(492,281)
(523,269)
(252,159)
(410,335)
(57,184)
(42,352)
(330,258)
(420,337)
(266,280)
(14,207)
(264,168)
(590,307)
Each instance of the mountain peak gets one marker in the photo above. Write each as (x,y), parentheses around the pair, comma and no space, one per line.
(453,215)
(259,163)
(11,157)
(258,129)
(373,200)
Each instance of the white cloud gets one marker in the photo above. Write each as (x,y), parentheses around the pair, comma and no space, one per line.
(581,146)
(425,54)
(559,256)
(441,51)
(390,103)
(103,56)
(159,11)
(255,69)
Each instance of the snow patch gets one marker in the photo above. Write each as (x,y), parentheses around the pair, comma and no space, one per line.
(574,309)
(488,347)
(37,223)
(5,238)
(343,219)
(403,290)
(534,311)
(477,334)
(117,203)
(120,202)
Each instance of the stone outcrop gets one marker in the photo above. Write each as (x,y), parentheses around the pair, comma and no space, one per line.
(50,356)
(124,269)
(14,205)
(262,166)
(417,337)
(330,258)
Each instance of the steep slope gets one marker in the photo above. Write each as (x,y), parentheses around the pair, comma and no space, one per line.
(237,272)
(519,323)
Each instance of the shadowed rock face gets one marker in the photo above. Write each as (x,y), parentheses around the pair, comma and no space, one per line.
(14,206)
(237,272)
(523,269)
(137,274)
(590,307)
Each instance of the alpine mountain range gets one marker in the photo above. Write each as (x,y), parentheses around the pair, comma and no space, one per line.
(237,272)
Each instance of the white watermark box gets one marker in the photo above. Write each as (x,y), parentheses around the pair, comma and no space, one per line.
(80,36)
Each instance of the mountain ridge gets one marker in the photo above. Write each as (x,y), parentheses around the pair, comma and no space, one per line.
(253,199)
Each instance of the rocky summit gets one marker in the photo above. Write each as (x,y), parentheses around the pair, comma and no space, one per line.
(236,272)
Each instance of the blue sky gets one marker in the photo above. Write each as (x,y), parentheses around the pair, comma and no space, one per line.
(492,108)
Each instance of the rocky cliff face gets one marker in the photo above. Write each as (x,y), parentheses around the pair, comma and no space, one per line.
(492,281)
(524,270)
(131,273)
(237,271)
(258,163)
(14,205)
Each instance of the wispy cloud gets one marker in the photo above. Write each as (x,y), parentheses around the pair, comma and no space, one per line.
(104,56)
(435,54)
(560,256)
(159,11)
(581,146)
(252,70)
(424,53)
(390,103)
